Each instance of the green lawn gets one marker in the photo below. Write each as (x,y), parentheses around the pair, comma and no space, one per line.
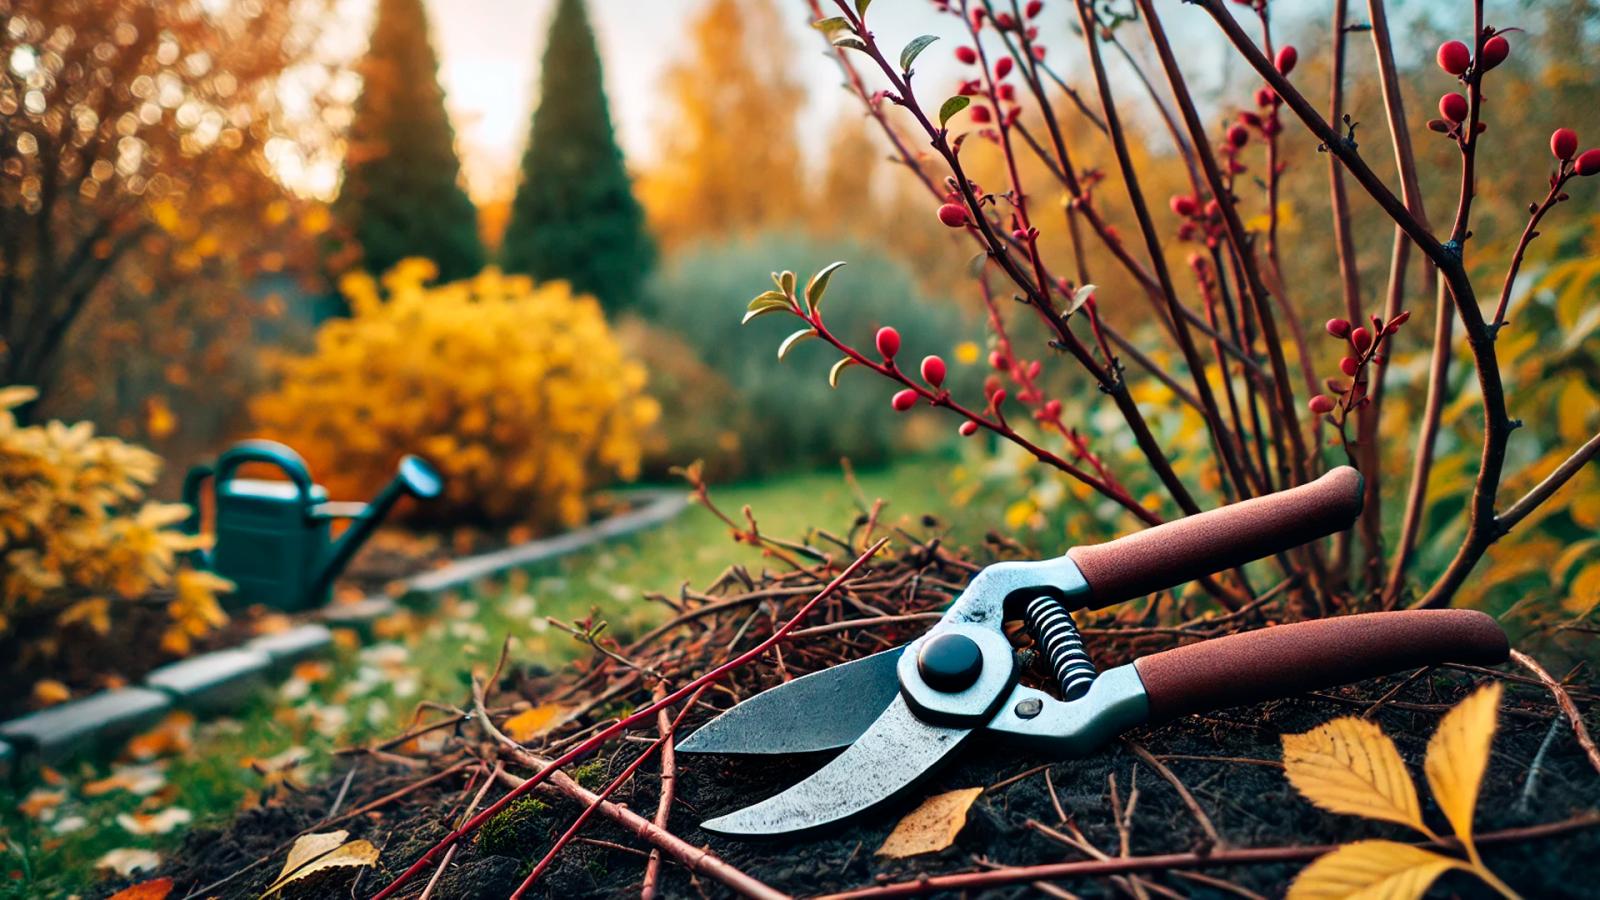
(372,690)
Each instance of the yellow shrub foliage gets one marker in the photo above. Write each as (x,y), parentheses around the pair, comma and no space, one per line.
(518,393)
(77,534)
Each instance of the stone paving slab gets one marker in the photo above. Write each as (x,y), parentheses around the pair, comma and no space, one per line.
(213,682)
(78,725)
(286,648)
(359,616)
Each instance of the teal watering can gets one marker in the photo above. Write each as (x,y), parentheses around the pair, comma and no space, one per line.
(273,539)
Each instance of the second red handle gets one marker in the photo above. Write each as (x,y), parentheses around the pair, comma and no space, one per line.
(1205,543)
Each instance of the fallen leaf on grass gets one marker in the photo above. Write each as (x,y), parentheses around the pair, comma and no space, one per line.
(1375,869)
(932,826)
(316,852)
(1350,766)
(40,802)
(154,889)
(530,723)
(175,734)
(162,822)
(142,780)
(128,860)
(49,692)
(1457,755)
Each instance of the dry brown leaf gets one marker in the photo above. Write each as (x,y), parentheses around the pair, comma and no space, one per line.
(932,826)
(1458,754)
(530,723)
(154,889)
(1350,766)
(1371,870)
(316,852)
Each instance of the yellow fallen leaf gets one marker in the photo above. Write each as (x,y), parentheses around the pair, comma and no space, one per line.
(1350,766)
(127,860)
(39,801)
(1458,754)
(317,852)
(142,780)
(1371,870)
(530,723)
(932,826)
(155,889)
(175,734)
(162,822)
(49,692)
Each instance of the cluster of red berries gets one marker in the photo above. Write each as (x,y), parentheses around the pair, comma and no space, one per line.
(1200,222)
(1365,346)
(1564,145)
(1456,58)
(1005,21)
(887,341)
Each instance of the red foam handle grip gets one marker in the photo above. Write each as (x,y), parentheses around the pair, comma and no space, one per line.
(1215,541)
(1290,659)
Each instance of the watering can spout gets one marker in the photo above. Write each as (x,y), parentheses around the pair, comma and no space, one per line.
(415,478)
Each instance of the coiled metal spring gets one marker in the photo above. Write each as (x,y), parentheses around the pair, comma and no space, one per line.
(1057,635)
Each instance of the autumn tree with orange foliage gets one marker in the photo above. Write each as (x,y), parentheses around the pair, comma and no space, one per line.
(715,178)
(134,194)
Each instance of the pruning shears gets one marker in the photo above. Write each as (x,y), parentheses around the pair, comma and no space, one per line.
(901,712)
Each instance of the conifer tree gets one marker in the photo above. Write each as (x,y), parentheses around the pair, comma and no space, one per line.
(574,216)
(402,193)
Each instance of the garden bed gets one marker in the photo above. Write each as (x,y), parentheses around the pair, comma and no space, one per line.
(1200,806)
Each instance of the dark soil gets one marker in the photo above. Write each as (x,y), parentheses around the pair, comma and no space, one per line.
(1250,804)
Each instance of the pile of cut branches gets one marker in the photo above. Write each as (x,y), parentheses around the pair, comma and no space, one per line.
(566,784)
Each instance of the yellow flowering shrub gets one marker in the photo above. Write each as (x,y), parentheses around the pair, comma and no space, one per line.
(78,536)
(518,393)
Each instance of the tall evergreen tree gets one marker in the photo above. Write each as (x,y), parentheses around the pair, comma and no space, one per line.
(574,216)
(402,193)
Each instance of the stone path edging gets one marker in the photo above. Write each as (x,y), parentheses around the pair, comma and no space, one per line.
(222,680)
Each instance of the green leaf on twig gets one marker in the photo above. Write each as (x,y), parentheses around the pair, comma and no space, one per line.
(789,342)
(838,369)
(785,282)
(951,107)
(917,45)
(818,285)
(839,32)
(861,7)
(1080,297)
(770,301)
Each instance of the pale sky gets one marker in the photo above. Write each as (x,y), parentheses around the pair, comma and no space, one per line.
(490,51)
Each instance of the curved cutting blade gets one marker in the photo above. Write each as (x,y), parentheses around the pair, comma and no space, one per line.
(891,756)
(825,710)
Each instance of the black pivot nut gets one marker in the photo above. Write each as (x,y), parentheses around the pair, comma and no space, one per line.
(950,662)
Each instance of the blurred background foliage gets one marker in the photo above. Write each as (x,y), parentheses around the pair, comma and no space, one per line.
(185,183)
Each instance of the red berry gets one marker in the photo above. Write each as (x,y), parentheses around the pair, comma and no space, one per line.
(1184,205)
(1588,162)
(903,400)
(998,361)
(1495,51)
(1338,327)
(1397,321)
(1564,143)
(1348,365)
(888,341)
(933,370)
(1238,135)
(1038,52)
(966,55)
(1287,57)
(1007,92)
(1002,67)
(1052,409)
(968,428)
(1453,107)
(1033,7)
(1004,21)
(1362,338)
(953,215)
(980,114)
(997,398)
(1265,97)
(1454,57)
(1321,405)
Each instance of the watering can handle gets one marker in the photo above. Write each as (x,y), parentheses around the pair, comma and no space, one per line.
(271,453)
(191,498)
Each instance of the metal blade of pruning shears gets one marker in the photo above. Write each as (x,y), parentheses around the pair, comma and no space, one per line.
(890,757)
(825,710)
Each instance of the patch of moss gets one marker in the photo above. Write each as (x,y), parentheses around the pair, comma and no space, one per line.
(513,830)
(591,774)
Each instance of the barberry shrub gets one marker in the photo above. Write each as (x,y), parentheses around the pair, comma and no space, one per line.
(1221,341)
(519,393)
(79,538)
